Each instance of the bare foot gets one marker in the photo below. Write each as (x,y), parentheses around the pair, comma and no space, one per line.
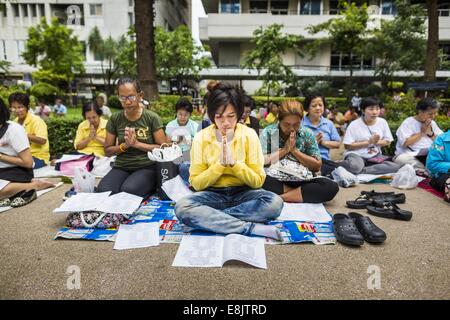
(42,184)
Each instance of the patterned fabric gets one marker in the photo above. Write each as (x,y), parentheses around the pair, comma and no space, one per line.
(109,220)
(306,142)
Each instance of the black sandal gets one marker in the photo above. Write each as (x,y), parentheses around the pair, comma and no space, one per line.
(346,231)
(367,228)
(369,198)
(7,201)
(389,210)
(24,198)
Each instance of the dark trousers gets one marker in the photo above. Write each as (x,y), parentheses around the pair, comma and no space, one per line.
(140,182)
(318,190)
(439,182)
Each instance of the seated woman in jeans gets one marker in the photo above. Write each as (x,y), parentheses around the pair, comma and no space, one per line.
(438,163)
(288,139)
(137,131)
(227,173)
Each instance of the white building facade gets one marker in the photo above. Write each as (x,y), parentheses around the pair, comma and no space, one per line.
(229,26)
(112,17)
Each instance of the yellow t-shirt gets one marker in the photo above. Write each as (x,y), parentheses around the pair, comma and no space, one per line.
(36,126)
(93,147)
(206,170)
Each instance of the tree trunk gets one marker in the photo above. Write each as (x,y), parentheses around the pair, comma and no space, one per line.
(433,41)
(145,47)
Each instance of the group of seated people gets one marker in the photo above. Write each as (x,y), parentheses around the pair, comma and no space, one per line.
(227,159)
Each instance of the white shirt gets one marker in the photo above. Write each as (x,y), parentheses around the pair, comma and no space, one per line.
(358,131)
(106,112)
(13,142)
(409,127)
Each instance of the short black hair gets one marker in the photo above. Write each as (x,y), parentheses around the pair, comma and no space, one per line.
(5,114)
(21,98)
(125,80)
(185,104)
(248,101)
(310,97)
(368,102)
(91,106)
(427,103)
(221,95)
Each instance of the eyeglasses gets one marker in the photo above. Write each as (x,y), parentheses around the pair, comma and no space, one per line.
(124,99)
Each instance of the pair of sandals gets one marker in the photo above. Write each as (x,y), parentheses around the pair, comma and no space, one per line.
(382,204)
(19,199)
(353,229)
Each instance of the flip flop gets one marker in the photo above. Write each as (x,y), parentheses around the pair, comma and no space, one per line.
(369,198)
(374,193)
(346,231)
(367,228)
(447,191)
(389,210)
(24,198)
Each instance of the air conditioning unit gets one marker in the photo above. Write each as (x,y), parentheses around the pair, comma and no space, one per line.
(373,10)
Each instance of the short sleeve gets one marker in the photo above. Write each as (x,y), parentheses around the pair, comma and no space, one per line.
(19,141)
(311,146)
(387,134)
(404,132)
(111,125)
(334,135)
(40,129)
(349,136)
(155,122)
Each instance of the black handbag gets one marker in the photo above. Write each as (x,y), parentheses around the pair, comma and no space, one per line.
(14,174)
(165,171)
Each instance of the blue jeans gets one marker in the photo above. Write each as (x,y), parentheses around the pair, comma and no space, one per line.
(38,163)
(228,210)
(184,171)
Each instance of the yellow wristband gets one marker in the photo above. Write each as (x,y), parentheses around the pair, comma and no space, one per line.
(121,148)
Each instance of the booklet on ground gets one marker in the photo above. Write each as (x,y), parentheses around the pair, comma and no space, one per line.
(305,212)
(176,189)
(214,251)
(120,203)
(139,235)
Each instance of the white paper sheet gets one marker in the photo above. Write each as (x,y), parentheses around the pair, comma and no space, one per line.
(139,235)
(83,202)
(247,249)
(365,178)
(176,189)
(120,203)
(307,212)
(214,251)
(70,157)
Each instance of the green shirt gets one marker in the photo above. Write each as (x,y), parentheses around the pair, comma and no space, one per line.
(148,123)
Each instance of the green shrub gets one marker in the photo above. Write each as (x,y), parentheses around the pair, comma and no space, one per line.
(114,102)
(61,134)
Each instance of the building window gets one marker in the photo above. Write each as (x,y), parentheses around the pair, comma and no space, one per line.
(445,57)
(15,9)
(3,49)
(25,10)
(96,9)
(341,62)
(131,18)
(33,10)
(334,7)
(130,3)
(20,49)
(258,6)
(230,6)
(388,7)
(311,7)
(279,7)
(444,9)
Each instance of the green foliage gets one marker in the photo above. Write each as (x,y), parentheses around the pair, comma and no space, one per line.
(55,51)
(398,111)
(44,90)
(116,56)
(114,102)
(61,134)
(267,56)
(372,91)
(5,92)
(4,66)
(177,56)
(399,44)
(260,100)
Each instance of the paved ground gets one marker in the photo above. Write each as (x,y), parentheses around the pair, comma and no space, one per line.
(414,261)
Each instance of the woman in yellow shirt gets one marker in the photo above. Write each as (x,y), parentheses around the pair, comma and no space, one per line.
(91,133)
(35,128)
(227,171)
(272,116)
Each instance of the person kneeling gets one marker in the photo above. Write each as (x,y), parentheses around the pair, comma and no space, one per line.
(227,172)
